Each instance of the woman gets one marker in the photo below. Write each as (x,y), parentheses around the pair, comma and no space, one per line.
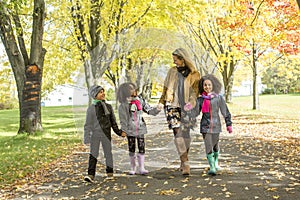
(178,98)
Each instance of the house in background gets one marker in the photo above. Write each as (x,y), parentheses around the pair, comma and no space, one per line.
(246,88)
(66,95)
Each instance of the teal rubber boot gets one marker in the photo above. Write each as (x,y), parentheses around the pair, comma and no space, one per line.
(211,161)
(216,156)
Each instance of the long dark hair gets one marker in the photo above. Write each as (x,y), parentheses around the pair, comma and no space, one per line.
(124,91)
(216,84)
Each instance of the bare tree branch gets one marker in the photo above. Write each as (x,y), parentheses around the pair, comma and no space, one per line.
(20,34)
(257,12)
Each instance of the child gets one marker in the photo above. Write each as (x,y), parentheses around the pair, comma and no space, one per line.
(210,103)
(131,109)
(100,119)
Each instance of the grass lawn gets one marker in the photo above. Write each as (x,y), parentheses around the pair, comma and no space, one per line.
(63,126)
(23,154)
(278,116)
(272,105)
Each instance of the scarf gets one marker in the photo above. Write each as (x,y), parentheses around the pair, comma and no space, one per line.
(206,102)
(135,101)
(102,102)
(184,71)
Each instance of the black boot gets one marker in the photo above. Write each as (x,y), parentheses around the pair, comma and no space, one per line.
(109,171)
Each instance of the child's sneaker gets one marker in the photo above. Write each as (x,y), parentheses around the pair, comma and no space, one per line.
(89,178)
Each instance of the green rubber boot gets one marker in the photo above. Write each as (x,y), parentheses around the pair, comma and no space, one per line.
(211,161)
(216,156)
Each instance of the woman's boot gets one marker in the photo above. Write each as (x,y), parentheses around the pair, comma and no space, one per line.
(186,166)
(183,154)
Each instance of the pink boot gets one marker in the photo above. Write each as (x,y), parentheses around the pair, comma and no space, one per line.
(132,165)
(141,160)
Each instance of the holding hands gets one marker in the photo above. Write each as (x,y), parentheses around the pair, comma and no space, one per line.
(123,134)
(188,107)
(160,106)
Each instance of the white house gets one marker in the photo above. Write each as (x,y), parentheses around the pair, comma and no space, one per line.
(65,95)
(246,88)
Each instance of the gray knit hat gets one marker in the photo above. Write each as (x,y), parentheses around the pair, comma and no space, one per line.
(94,90)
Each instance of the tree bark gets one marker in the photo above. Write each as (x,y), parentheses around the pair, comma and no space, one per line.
(255,74)
(30,113)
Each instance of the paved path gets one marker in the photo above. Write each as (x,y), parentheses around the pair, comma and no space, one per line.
(252,169)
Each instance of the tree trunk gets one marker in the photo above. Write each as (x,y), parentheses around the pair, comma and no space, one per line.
(255,74)
(30,112)
(147,87)
(227,75)
(140,65)
(255,94)
(228,94)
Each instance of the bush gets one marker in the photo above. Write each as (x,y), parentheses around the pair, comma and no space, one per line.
(13,103)
(268,91)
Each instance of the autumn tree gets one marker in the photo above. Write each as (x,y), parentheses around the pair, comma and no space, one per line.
(249,20)
(282,74)
(98,26)
(211,46)
(218,45)
(62,61)
(26,61)
(256,35)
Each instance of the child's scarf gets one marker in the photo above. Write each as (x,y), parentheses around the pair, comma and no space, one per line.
(135,101)
(206,102)
(106,111)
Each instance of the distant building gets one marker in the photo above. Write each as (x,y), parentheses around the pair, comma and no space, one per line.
(246,88)
(66,95)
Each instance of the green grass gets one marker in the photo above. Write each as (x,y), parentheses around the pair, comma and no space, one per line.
(9,122)
(22,154)
(280,106)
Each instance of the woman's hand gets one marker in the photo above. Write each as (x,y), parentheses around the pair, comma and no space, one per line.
(160,106)
(188,107)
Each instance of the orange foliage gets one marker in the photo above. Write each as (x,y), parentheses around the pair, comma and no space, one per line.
(289,23)
(287,26)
